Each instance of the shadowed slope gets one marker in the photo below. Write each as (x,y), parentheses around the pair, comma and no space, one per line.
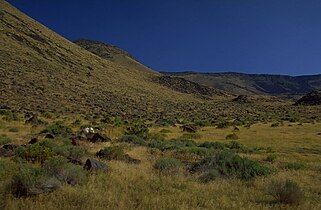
(255,84)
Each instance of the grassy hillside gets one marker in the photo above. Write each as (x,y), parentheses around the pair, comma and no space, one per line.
(251,84)
(41,70)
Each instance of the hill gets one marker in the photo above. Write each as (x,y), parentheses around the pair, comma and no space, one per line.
(40,70)
(312,98)
(254,84)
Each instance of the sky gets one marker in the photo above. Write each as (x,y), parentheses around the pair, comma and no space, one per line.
(250,36)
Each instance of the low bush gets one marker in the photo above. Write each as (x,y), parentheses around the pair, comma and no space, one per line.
(137,129)
(168,165)
(212,145)
(34,153)
(229,164)
(30,180)
(111,153)
(209,176)
(287,192)
(58,128)
(223,124)
(60,168)
(133,139)
(4,140)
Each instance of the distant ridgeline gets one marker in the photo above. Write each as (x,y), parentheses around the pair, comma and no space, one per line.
(251,84)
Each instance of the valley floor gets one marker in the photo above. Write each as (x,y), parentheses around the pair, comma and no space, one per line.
(140,186)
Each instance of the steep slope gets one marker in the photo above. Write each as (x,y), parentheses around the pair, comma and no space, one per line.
(42,70)
(121,57)
(254,84)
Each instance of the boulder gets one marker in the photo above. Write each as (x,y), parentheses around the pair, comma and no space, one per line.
(49,136)
(33,141)
(95,165)
(96,137)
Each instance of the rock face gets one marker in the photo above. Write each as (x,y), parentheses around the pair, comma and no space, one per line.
(313,98)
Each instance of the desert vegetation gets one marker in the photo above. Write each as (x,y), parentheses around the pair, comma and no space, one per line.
(149,165)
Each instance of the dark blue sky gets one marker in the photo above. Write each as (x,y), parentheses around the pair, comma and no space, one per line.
(253,36)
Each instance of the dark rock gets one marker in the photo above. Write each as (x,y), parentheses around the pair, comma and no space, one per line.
(96,137)
(49,136)
(9,146)
(33,141)
(33,120)
(189,128)
(4,106)
(6,153)
(95,165)
(75,161)
(242,99)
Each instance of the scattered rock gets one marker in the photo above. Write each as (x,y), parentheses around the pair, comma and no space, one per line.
(75,161)
(189,128)
(95,165)
(4,106)
(33,141)
(96,137)
(7,150)
(33,120)
(49,136)
(242,99)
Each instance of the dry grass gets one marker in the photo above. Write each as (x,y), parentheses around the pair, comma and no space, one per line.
(129,186)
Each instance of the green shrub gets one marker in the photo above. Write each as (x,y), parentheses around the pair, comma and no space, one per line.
(271,158)
(287,192)
(13,130)
(58,128)
(210,176)
(111,153)
(59,168)
(4,140)
(200,151)
(293,166)
(212,145)
(157,144)
(202,123)
(232,136)
(234,145)
(137,129)
(133,139)
(30,180)
(229,164)
(223,124)
(168,165)
(35,153)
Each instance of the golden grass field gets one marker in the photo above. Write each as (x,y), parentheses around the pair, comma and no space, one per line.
(128,186)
